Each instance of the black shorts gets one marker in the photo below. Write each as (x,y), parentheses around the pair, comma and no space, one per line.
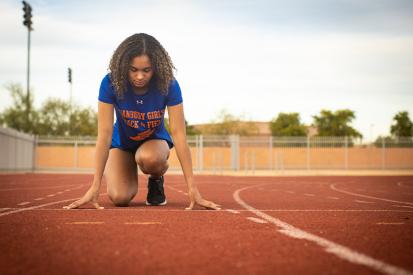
(138,144)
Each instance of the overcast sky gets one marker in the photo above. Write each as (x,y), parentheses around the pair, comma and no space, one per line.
(253,58)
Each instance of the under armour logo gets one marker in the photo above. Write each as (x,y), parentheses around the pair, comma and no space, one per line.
(139,101)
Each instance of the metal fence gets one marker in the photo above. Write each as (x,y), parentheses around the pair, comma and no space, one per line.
(239,153)
(16,151)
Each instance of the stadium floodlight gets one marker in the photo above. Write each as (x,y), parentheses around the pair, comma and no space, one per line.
(69,75)
(27,15)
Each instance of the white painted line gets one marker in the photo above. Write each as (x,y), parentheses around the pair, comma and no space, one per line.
(67,190)
(256,220)
(290,192)
(38,199)
(333,187)
(59,193)
(359,201)
(403,206)
(143,223)
(336,249)
(232,211)
(84,223)
(333,198)
(309,195)
(51,195)
(42,205)
(391,223)
(4,209)
(23,203)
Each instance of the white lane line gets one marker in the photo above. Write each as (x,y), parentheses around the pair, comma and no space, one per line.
(145,209)
(391,223)
(400,184)
(290,192)
(403,206)
(51,195)
(232,211)
(38,199)
(23,203)
(359,201)
(76,223)
(37,206)
(143,223)
(42,205)
(340,251)
(4,209)
(59,193)
(309,195)
(33,188)
(256,220)
(333,187)
(333,198)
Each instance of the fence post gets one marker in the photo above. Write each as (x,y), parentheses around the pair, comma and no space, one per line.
(346,152)
(270,154)
(383,154)
(234,139)
(308,152)
(201,153)
(197,152)
(75,155)
(34,156)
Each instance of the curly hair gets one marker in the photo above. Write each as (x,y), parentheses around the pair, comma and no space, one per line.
(137,45)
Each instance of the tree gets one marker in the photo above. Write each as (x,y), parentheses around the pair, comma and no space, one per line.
(190,130)
(16,116)
(83,122)
(54,119)
(402,126)
(228,124)
(287,124)
(336,124)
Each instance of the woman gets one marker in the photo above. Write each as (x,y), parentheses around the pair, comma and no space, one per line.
(139,87)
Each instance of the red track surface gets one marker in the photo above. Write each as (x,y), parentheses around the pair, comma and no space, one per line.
(272,225)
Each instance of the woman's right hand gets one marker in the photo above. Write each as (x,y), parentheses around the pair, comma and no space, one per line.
(91,196)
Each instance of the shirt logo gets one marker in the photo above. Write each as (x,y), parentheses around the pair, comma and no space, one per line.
(139,101)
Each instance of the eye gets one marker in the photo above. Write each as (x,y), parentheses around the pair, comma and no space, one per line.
(132,69)
(147,70)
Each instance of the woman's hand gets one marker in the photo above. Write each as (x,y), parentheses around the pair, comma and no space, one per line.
(91,196)
(196,199)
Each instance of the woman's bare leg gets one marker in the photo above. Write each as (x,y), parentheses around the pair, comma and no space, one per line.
(121,176)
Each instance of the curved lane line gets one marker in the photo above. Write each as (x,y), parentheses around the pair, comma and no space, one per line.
(333,187)
(340,251)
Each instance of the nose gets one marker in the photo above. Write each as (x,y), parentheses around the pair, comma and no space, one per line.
(139,76)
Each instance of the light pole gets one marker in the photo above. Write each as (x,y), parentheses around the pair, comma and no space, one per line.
(28,23)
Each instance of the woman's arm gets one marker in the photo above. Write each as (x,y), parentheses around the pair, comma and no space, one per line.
(178,131)
(105,129)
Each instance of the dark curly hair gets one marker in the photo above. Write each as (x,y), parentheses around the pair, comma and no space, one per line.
(137,45)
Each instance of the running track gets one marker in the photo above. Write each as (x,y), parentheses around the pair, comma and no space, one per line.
(268,225)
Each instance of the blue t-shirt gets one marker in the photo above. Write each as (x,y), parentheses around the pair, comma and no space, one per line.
(139,117)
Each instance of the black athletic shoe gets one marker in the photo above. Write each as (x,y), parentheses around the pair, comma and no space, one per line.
(156,195)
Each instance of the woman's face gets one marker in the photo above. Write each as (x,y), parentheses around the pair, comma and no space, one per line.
(140,72)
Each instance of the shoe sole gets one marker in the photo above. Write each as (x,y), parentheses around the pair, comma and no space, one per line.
(156,204)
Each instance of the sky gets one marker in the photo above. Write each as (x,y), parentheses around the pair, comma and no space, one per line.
(252,58)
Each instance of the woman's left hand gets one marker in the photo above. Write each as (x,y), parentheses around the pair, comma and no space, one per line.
(196,199)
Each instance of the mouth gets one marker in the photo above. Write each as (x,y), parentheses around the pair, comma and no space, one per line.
(139,83)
